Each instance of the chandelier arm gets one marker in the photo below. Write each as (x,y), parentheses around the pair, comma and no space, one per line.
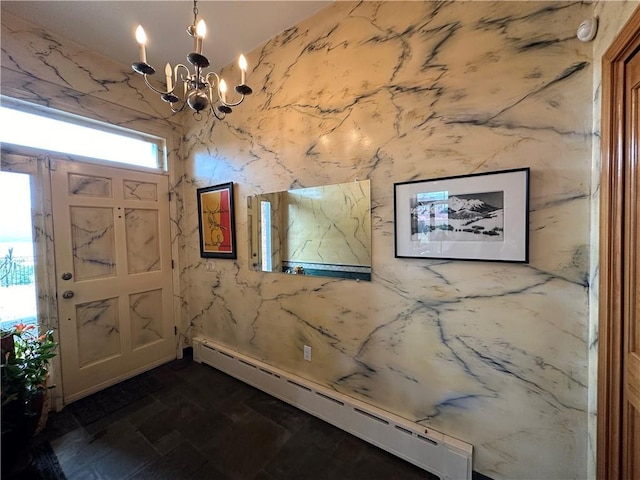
(211,84)
(216,113)
(176,69)
(175,80)
(177,110)
(217,83)
(209,90)
(159,92)
(235,104)
(219,116)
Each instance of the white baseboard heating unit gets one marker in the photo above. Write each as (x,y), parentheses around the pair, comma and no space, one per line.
(444,456)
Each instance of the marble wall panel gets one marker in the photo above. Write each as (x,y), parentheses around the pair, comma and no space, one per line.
(82,74)
(495,354)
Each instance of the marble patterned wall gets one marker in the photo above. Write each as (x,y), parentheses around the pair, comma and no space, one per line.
(47,69)
(495,354)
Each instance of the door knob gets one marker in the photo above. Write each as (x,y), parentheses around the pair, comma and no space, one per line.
(66,276)
(67,294)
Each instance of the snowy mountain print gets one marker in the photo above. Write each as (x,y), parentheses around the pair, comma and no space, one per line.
(461,217)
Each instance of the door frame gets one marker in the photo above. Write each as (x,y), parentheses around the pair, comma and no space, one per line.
(610,313)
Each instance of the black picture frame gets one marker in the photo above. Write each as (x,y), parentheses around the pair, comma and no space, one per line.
(483,216)
(216,221)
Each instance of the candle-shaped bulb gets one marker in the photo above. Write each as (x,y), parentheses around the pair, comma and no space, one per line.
(223,90)
(201,31)
(243,69)
(167,73)
(141,38)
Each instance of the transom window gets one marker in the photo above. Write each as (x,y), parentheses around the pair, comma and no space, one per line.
(32,126)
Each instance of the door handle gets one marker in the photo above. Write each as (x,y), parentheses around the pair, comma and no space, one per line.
(66,276)
(67,294)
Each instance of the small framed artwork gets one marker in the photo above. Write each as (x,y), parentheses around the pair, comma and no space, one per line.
(483,216)
(216,219)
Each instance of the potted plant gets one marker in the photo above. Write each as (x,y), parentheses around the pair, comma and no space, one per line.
(25,372)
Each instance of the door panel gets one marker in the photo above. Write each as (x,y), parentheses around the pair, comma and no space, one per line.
(98,331)
(143,246)
(631,293)
(146,316)
(112,234)
(92,242)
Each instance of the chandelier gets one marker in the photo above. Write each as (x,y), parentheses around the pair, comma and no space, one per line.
(199,90)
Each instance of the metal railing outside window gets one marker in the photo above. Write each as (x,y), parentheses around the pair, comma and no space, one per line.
(16,271)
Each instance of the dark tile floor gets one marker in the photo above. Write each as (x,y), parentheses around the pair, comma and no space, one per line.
(200,423)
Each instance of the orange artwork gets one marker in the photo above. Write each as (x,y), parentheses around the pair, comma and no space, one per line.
(217,235)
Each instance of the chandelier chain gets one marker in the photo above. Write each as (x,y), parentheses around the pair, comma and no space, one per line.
(195,11)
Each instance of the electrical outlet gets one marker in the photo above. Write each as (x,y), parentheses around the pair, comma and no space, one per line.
(211,266)
(307,353)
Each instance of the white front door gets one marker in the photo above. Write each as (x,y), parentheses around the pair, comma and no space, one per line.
(113,267)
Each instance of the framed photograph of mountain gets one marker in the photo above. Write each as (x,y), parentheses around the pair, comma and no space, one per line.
(484,217)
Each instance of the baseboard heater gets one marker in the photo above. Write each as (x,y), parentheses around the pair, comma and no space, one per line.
(444,456)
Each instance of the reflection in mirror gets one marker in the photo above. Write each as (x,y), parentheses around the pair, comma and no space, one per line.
(324,231)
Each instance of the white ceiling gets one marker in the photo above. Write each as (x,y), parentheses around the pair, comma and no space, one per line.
(233,27)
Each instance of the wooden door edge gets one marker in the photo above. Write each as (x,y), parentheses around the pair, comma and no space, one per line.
(609,389)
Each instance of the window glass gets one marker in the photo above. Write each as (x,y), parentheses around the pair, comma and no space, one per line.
(49,130)
(265,214)
(17,263)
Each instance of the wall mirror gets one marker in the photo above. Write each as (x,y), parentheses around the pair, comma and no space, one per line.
(323,231)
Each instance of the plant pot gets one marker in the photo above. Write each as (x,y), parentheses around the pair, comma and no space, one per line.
(21,420)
